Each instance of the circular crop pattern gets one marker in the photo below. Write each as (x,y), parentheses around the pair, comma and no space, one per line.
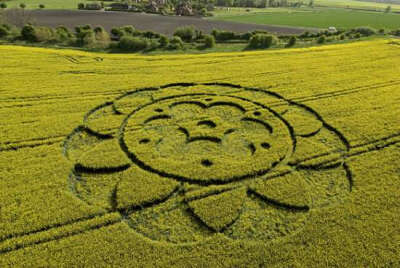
(184,162)
(169,137)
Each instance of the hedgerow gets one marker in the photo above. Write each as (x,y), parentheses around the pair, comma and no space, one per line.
(258,41)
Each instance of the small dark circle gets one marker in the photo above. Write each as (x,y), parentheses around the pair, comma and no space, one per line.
(265,145)
(209,99)
(144,141)
(257,113)
(206,163)
(158,110)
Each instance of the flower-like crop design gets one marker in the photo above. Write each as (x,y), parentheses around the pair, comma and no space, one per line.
(183,162)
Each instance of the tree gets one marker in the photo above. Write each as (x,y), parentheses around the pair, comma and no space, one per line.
(163,41)
(311,3)
(209,41)
(292,41)
(41,6)
(186,33)
(388,9)
(175,43)
(262,41)
(321,39)
(4,31)
(22,5)
(3,5)
(263,4)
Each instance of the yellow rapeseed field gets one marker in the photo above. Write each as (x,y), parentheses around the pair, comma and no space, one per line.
(283,158)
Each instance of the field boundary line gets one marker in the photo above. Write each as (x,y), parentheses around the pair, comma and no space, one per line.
(59,232)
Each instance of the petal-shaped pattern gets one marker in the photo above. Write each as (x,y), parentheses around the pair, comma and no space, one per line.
(304,122)
(218,210)
(80,141)
(140,188)
(95,189)
(321,150)
(103,119)
(103,157)
(287,191)
(133,100)
(328,186)
(169,222)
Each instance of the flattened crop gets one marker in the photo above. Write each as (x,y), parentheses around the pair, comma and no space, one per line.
(224,163)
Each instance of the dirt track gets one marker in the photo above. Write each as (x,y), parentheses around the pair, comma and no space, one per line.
(157,23)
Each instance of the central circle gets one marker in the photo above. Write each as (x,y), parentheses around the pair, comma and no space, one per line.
(205,138)
(206,163)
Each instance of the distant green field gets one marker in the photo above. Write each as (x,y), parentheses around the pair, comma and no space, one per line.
(319,18)
(355,4)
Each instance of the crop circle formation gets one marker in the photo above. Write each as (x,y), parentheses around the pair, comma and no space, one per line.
(166,140)
(184,162)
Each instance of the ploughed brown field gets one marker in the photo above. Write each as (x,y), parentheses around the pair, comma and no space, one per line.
(148,22)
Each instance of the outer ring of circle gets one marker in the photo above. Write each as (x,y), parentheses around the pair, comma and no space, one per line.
(209,181)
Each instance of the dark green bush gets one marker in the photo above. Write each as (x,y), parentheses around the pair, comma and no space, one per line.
(175,43)
(37,34)
(246,36)
(203,12)
(128,30)
(262,41)
(81,6)
(22,5)
(365,31)
(117,32)
(306,34)
(28,33)
(4,31)
(85,36)
(321,39)
(185,33)
(395,32)
(163,41)
(3,5)
(153,44)
(99,29)
(222,36)
(198,35)
(63,34)
(292,41)
(209,41)
(133,44)
(149,34)
(41,6)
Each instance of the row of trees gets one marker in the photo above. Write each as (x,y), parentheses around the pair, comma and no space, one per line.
(3,5)
(129,39)
(125,39)
(259,3)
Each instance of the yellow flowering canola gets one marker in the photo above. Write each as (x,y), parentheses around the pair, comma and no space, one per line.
(286,158)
